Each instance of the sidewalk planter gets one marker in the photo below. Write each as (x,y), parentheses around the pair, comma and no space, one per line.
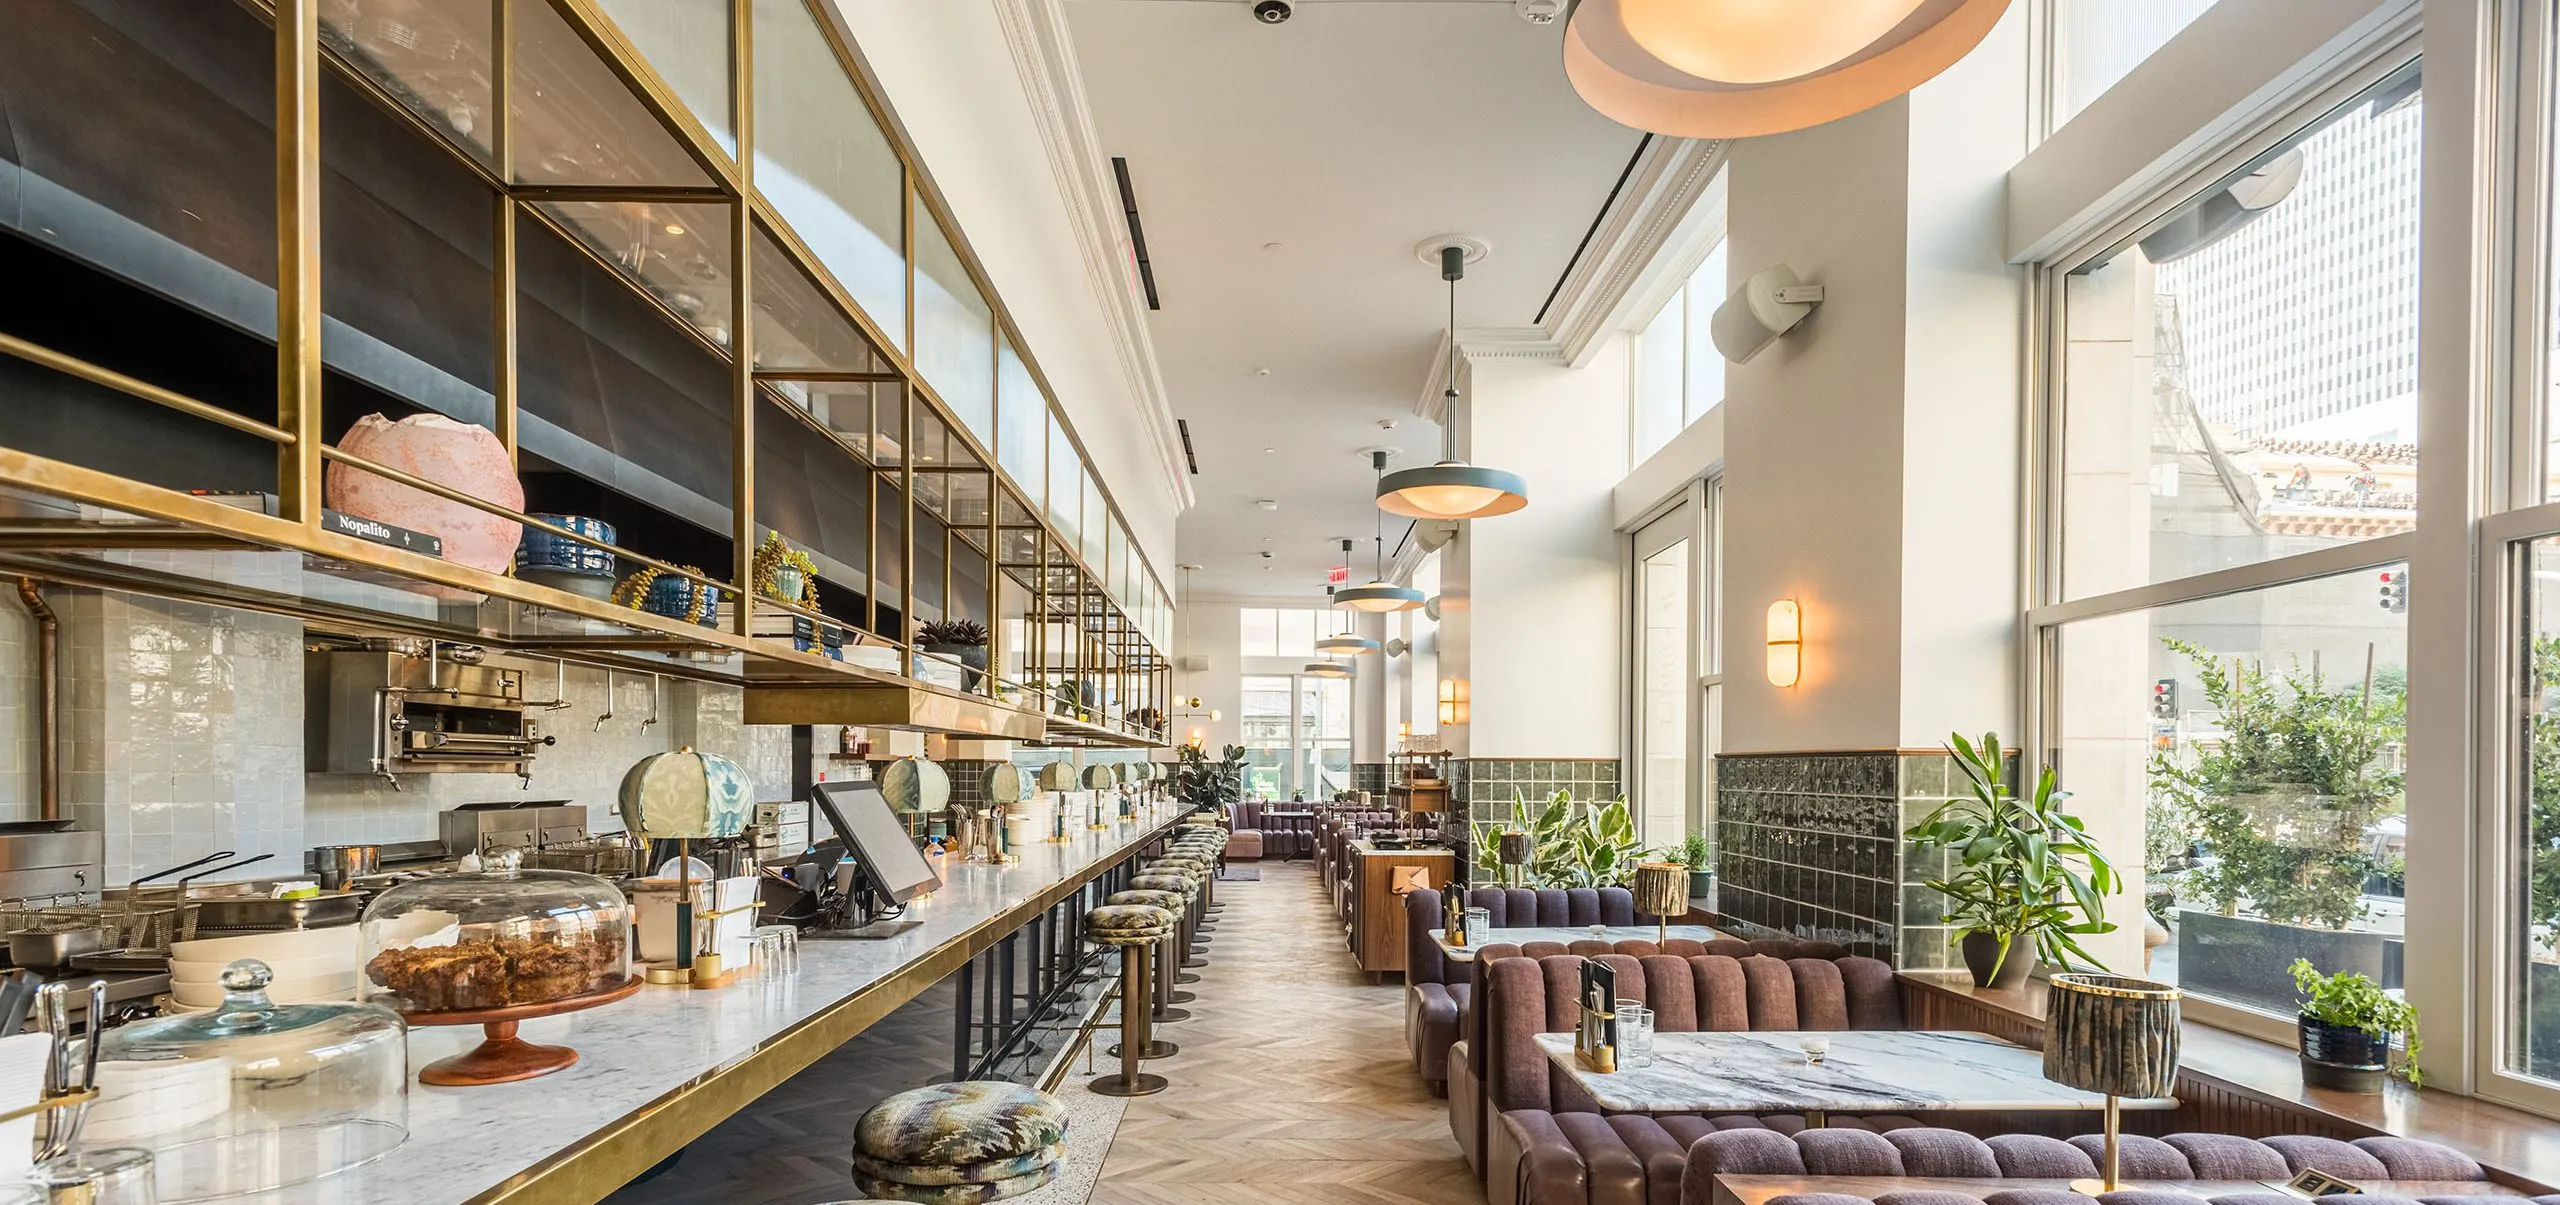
(2242,960)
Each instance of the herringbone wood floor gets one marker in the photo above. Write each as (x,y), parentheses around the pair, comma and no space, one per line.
(1293,1084)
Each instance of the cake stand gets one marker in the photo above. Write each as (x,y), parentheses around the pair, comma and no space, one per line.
(502,1057)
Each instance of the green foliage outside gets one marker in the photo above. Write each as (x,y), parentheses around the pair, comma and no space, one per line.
(2542,819)
(2282,804)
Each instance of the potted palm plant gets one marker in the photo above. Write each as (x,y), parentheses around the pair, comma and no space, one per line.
(2028,881)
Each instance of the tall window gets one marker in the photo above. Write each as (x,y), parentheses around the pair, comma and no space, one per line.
(2098,42)
(1324,737)
(1663,630)
(1678,374)
(1297,735)
(1287,632)
(1267,716)
(2237,398)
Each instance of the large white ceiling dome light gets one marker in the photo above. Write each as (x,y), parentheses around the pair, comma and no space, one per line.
(1739,68)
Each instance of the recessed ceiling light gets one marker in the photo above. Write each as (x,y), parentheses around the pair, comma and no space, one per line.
(1271,246)
(1262,372)
(1267,504)
(673,228)
(1269,451)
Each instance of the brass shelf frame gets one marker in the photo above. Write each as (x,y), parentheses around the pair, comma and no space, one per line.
(1130,683)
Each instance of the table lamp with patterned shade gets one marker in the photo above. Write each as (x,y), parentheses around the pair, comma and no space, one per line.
(1513,852)
(2111,1034)
(685,796)
(1662,888)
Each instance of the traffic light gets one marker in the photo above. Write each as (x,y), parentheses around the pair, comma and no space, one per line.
(2164,699)
(2395,591)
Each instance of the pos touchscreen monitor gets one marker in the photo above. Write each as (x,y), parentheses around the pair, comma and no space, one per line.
(873,835)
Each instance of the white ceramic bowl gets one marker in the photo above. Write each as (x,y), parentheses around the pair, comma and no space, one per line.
(281,946)
(308,990)
(209,973)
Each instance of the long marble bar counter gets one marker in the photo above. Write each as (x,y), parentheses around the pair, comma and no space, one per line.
(660,1069)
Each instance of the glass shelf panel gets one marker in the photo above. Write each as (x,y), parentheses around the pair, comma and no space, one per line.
(687,44)
(679,254)
(431,55)
(825,166)
(797,327)
(574,120)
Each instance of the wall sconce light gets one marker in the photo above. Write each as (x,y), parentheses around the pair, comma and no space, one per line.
(1786,642)
(1195,738)
(1453,701)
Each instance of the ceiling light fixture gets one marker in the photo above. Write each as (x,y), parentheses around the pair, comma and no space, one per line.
(1326,669)
(1379,594)
(1451,489)
(1740,68)
(1346,645)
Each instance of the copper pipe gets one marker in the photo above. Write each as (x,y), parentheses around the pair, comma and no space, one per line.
(48,701)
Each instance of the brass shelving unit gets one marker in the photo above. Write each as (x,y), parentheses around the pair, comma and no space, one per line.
(576,134)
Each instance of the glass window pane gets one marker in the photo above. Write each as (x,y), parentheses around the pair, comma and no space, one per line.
(796,325)
(955,332)
(687,44)
(679,254)
(2241,384)
(1022,422)
(2533,959)
(1066,482)
(1297,633)
(826,167)
(1657,380)
(2240,760)
(1263,724)
(2099,42)
(434,58)
(575,121)
(1662,692)
(1260,634)
(1703,368)
(1097,521)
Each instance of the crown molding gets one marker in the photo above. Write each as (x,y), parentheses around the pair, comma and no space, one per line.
(1666,220)
(1044,57)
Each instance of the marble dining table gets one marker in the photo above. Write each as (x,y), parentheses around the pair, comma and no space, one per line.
(1864,1071)
(1569,934)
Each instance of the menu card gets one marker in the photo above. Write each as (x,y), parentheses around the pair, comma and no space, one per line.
(1596,1042)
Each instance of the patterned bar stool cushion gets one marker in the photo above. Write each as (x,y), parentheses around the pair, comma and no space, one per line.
(979,1140)
(1181,862)
(1170,901)
(1159,882)
(1127,924)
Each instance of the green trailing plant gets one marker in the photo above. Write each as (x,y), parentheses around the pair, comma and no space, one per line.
(2542,819)
(1574,843)
(2026,870)
(2283,801)
(2357,1002)
(1201,782)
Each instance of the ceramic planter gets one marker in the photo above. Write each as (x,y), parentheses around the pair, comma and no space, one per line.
(1982,951)
(2343,1057)
(453,454)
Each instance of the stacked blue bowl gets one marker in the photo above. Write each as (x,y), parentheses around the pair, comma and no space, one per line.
(559,562)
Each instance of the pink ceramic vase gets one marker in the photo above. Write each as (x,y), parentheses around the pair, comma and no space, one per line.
(464,457)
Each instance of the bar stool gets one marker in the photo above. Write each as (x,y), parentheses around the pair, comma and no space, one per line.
(1192,944)
(1164,996)
(1135,928)
(986,1138)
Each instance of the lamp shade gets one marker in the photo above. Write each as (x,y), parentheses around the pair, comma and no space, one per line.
(1451,489)
(1003,782)
(1378,596)
(1514,849)
(685,794)
(1326,669)
(1057,776)
(1662,888)
(2112,1034)
(1339,646)
(1739,68)
(913,784)
(1101,777)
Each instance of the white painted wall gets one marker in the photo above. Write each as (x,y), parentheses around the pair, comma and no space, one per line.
(1814,468)
(1697,451)
(950,75)
(1543,619)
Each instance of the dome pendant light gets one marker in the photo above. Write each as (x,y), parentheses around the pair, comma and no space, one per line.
(1740,68)
(1346,644)
(1326,669)
(1451,489)
(1380,594)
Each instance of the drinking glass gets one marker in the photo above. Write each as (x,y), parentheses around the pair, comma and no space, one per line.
(1635,1035)
(1479,926)
(112,1176)
(1815,1046)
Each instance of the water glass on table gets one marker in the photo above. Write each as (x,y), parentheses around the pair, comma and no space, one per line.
(1479,926)
(1815,1046)
(1635,1035)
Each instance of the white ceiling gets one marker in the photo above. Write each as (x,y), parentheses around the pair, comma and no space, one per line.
(1347,135)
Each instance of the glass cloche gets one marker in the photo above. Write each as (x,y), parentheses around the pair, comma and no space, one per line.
(254,1096)
(501,939)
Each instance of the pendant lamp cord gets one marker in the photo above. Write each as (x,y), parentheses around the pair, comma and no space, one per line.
(1378,522)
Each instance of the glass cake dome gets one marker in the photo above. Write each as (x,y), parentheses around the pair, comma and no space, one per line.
(502,939)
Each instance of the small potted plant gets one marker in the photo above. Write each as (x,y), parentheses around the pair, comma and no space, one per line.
(2346,1025)
(785,573)
(962,640)
(1693,852)
(2029,881)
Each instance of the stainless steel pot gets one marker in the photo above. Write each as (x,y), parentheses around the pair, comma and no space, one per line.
(337,864)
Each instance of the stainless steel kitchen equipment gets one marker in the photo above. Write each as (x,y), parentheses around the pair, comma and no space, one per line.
(252,908)
(337,864)
(511,824)
(55,947)
(37,862)
(613,857)
(413,709)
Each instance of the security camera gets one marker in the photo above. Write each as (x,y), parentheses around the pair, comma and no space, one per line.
(1271,12)
(1266,554)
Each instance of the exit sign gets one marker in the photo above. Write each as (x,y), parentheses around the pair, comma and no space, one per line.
(1338,575)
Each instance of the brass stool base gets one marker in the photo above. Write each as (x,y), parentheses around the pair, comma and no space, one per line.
(1112,1085)
(1182,997)
(1186,979)
(1156,1048)
(1195,961)
(1171,1014)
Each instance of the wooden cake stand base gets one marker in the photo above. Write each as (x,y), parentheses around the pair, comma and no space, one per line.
(502,1057)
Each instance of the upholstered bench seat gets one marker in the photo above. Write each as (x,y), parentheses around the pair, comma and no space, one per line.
(974,1140)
